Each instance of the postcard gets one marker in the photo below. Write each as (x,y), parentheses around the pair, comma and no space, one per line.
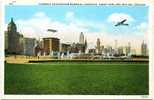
(77,49)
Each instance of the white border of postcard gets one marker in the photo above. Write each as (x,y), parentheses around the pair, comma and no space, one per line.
(34,2)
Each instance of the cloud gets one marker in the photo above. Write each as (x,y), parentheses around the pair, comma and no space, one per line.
(69,15)
(116,17)
(85,24)
(39,23)
(142,26)
(35,26)
(40,15)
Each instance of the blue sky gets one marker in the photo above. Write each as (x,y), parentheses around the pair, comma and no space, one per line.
(98,13)
(95,21)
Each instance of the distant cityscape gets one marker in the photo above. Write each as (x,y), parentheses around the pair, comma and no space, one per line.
(17,44)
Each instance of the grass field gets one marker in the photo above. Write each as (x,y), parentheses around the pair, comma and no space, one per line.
(77,78)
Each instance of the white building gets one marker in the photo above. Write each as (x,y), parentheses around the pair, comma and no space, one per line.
(81,38)
(144,50)
(128,49)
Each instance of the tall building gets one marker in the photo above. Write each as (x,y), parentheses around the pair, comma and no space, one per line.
(81,38)
(86,45)
(128,49)
(109,50)
(29,44)
(98,47)
(116,47)
(21,44)
(51,45)
(105,51)
(120,51)
(13,39)
(102,49)
(144,49)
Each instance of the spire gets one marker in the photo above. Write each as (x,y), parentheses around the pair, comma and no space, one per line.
(12,26)
(11,19)
(12,22)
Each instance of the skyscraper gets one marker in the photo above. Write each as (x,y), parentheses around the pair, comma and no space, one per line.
(51,45)
(116,44)
(29,44)
(13,39)
(116,47)
(98,47)
(128,49)
(144,49)
(120,51)
(81,38)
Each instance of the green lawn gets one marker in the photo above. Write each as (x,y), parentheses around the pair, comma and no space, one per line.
(77,78)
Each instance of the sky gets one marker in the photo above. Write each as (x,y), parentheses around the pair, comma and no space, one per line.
(94,21)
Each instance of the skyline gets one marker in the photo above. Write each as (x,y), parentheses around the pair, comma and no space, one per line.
(70,21)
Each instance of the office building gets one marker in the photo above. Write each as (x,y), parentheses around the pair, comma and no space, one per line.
(144,49)
(29,46)
(51,45)
(13,39)
(81,38)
